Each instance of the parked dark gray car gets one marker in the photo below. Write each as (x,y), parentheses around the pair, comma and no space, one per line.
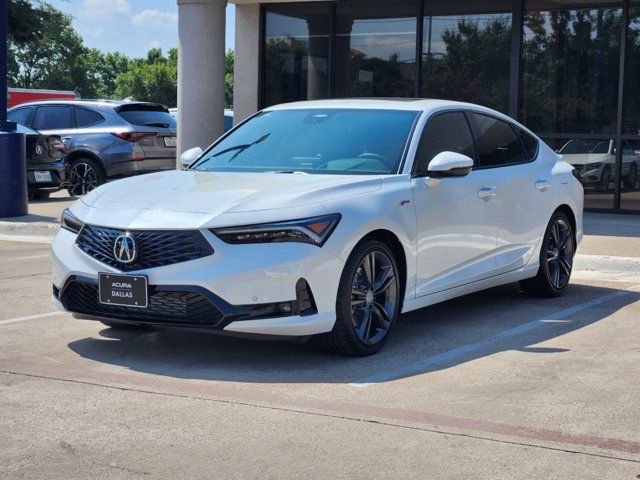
(104,139)
(46,167)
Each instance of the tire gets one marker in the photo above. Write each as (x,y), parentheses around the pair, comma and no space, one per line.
(126,326)
(39,195)
(556,260)
(363,305)
(85,174)
(632,177)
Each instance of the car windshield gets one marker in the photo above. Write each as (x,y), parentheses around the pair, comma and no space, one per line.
(580,146)
(323,141)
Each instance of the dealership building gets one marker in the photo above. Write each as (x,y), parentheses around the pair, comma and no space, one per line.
(568,69)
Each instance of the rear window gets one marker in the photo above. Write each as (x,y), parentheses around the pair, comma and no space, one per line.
(86,117)
(147,117)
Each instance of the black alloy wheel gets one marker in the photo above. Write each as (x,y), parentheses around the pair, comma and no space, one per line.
(84,176)
(368,302)
(556,259)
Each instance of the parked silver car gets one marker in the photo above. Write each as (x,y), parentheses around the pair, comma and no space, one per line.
(104,139)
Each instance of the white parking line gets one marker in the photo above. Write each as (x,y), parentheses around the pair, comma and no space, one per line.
(421,365)
(29,317)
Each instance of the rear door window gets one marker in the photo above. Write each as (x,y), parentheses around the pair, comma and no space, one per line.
(86,118)
(54,117)
(498,144)
(23,116)
(148,117)
(445,132)
(530,144)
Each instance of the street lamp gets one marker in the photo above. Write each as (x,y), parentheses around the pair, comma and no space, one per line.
(13,162)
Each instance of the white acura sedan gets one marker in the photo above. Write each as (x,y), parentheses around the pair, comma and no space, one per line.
(325,219)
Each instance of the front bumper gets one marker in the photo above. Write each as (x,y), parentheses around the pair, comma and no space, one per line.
(239,288)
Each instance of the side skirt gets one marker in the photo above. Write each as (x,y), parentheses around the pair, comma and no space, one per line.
(528,271)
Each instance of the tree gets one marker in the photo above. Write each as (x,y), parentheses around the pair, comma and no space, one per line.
(228,79)
(152,79)
(54,57)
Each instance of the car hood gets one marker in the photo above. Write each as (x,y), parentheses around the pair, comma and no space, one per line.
(203,196)
(584,158)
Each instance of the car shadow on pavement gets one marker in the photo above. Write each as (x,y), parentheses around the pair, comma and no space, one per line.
(419,336)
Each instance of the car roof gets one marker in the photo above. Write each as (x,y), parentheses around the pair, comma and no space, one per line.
(99,104)
(412,104)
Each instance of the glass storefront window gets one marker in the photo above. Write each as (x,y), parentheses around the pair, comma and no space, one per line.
(594,159)
(466,52)
(296,52)
(630,185)
(375,48)
(570,65)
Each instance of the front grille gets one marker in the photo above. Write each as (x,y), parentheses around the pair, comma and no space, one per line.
(155,248)
(188,308)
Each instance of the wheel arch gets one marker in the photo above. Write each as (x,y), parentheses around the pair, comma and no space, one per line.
(76,154)
(568,211)
(392,241)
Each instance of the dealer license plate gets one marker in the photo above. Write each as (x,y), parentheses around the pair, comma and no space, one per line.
(123,290)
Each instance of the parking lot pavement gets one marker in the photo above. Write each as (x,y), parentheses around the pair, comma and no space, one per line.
(492,385)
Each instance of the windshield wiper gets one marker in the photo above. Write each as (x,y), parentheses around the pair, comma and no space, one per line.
(241,148)
(295,172)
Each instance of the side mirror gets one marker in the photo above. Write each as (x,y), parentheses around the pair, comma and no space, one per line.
(450,164)
(190,156)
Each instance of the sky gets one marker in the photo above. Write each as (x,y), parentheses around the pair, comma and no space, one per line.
(130,26)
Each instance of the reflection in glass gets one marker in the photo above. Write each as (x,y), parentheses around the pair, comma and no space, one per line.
(631,108)
(630,185)
(570,70)
(594,159)
(375,49)
(466,57)
(296,53)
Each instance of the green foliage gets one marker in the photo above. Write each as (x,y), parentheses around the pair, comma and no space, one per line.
(45,51)
(153,79)
(228,79)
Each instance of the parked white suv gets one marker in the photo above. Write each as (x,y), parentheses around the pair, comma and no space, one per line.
(595,161)
(325,219)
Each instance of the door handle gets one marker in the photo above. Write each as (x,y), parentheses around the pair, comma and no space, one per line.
(542,185)
(487,193)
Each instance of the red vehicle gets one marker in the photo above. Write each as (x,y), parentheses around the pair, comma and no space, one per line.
(21,95)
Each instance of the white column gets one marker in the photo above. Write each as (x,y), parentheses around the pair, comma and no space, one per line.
(201,71)
(247,59)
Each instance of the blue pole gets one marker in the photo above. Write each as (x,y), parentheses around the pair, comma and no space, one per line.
(13,161)
(4,40)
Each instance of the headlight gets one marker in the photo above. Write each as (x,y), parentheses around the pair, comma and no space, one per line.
(314,230)
(593,166)
(70,222)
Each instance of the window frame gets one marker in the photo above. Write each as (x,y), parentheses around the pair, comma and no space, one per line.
(434,115)
(513,129)
(73,116)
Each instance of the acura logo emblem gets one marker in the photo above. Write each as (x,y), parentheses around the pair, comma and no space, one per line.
(124,248)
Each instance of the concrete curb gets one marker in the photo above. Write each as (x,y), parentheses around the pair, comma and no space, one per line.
(607,264)
(45,229)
